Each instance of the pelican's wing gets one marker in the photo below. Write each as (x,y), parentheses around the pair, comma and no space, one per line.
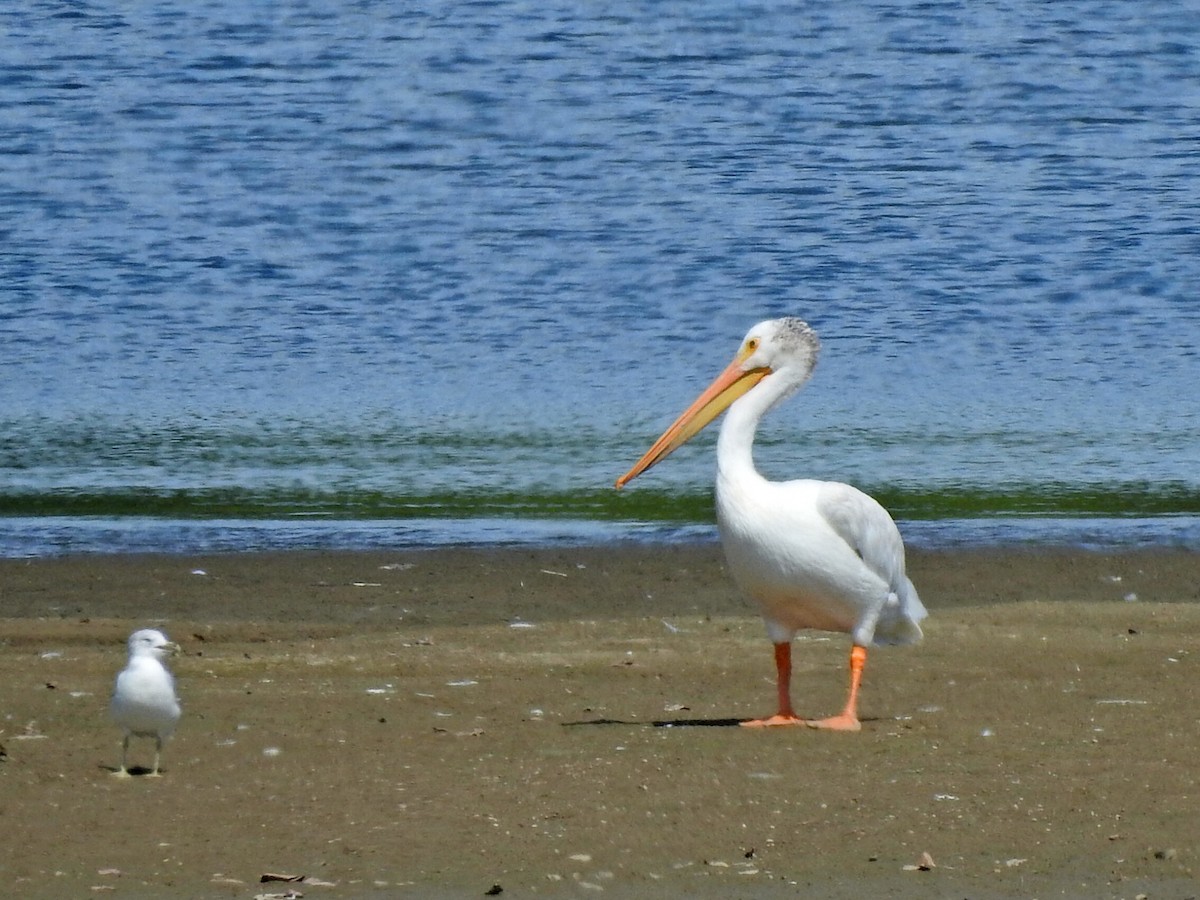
(872,534)
(866,526)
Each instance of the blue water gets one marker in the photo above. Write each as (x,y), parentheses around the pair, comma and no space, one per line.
(305,274)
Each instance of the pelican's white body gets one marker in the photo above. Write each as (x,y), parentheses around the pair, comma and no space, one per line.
(820,555)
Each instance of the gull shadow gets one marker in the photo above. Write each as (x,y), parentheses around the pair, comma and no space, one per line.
(132,771)
(660,723)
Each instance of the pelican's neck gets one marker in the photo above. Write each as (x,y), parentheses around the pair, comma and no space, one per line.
(735,444)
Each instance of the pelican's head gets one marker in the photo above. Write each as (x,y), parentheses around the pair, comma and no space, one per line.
(149,642)
(785,346)
(778,345)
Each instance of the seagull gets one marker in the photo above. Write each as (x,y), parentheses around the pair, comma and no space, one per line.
(143,701)
(812,554)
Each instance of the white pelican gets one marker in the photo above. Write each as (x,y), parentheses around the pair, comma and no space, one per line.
(812,554)
(143,701)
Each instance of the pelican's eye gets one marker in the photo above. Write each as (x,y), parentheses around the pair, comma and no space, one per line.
(752,345)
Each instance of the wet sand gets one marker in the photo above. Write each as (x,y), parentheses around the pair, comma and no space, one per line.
(562,723)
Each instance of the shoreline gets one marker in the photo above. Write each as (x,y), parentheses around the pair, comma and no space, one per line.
(41,537)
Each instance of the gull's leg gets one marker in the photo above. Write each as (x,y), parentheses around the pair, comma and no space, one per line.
(123,772)
(158,743)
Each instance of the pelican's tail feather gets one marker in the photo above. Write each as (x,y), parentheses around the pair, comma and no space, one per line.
(901,619)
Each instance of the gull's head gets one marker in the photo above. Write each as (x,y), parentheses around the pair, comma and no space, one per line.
(151,642)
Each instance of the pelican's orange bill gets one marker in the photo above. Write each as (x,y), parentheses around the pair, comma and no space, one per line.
(717,397)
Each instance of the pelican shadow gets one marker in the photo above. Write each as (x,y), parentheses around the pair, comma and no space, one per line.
(660,723)
(675,723)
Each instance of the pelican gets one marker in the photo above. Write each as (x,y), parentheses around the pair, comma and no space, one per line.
(812,554)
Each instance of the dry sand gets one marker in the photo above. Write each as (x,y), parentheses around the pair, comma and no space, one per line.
(561,723)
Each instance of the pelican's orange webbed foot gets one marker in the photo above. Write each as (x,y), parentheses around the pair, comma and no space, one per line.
(847,720)
(843,722)
(776,721)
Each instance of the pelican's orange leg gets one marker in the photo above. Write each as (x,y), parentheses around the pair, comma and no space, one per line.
(848,720)
(783,683)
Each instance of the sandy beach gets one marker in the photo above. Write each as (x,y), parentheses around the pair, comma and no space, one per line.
(562,723)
